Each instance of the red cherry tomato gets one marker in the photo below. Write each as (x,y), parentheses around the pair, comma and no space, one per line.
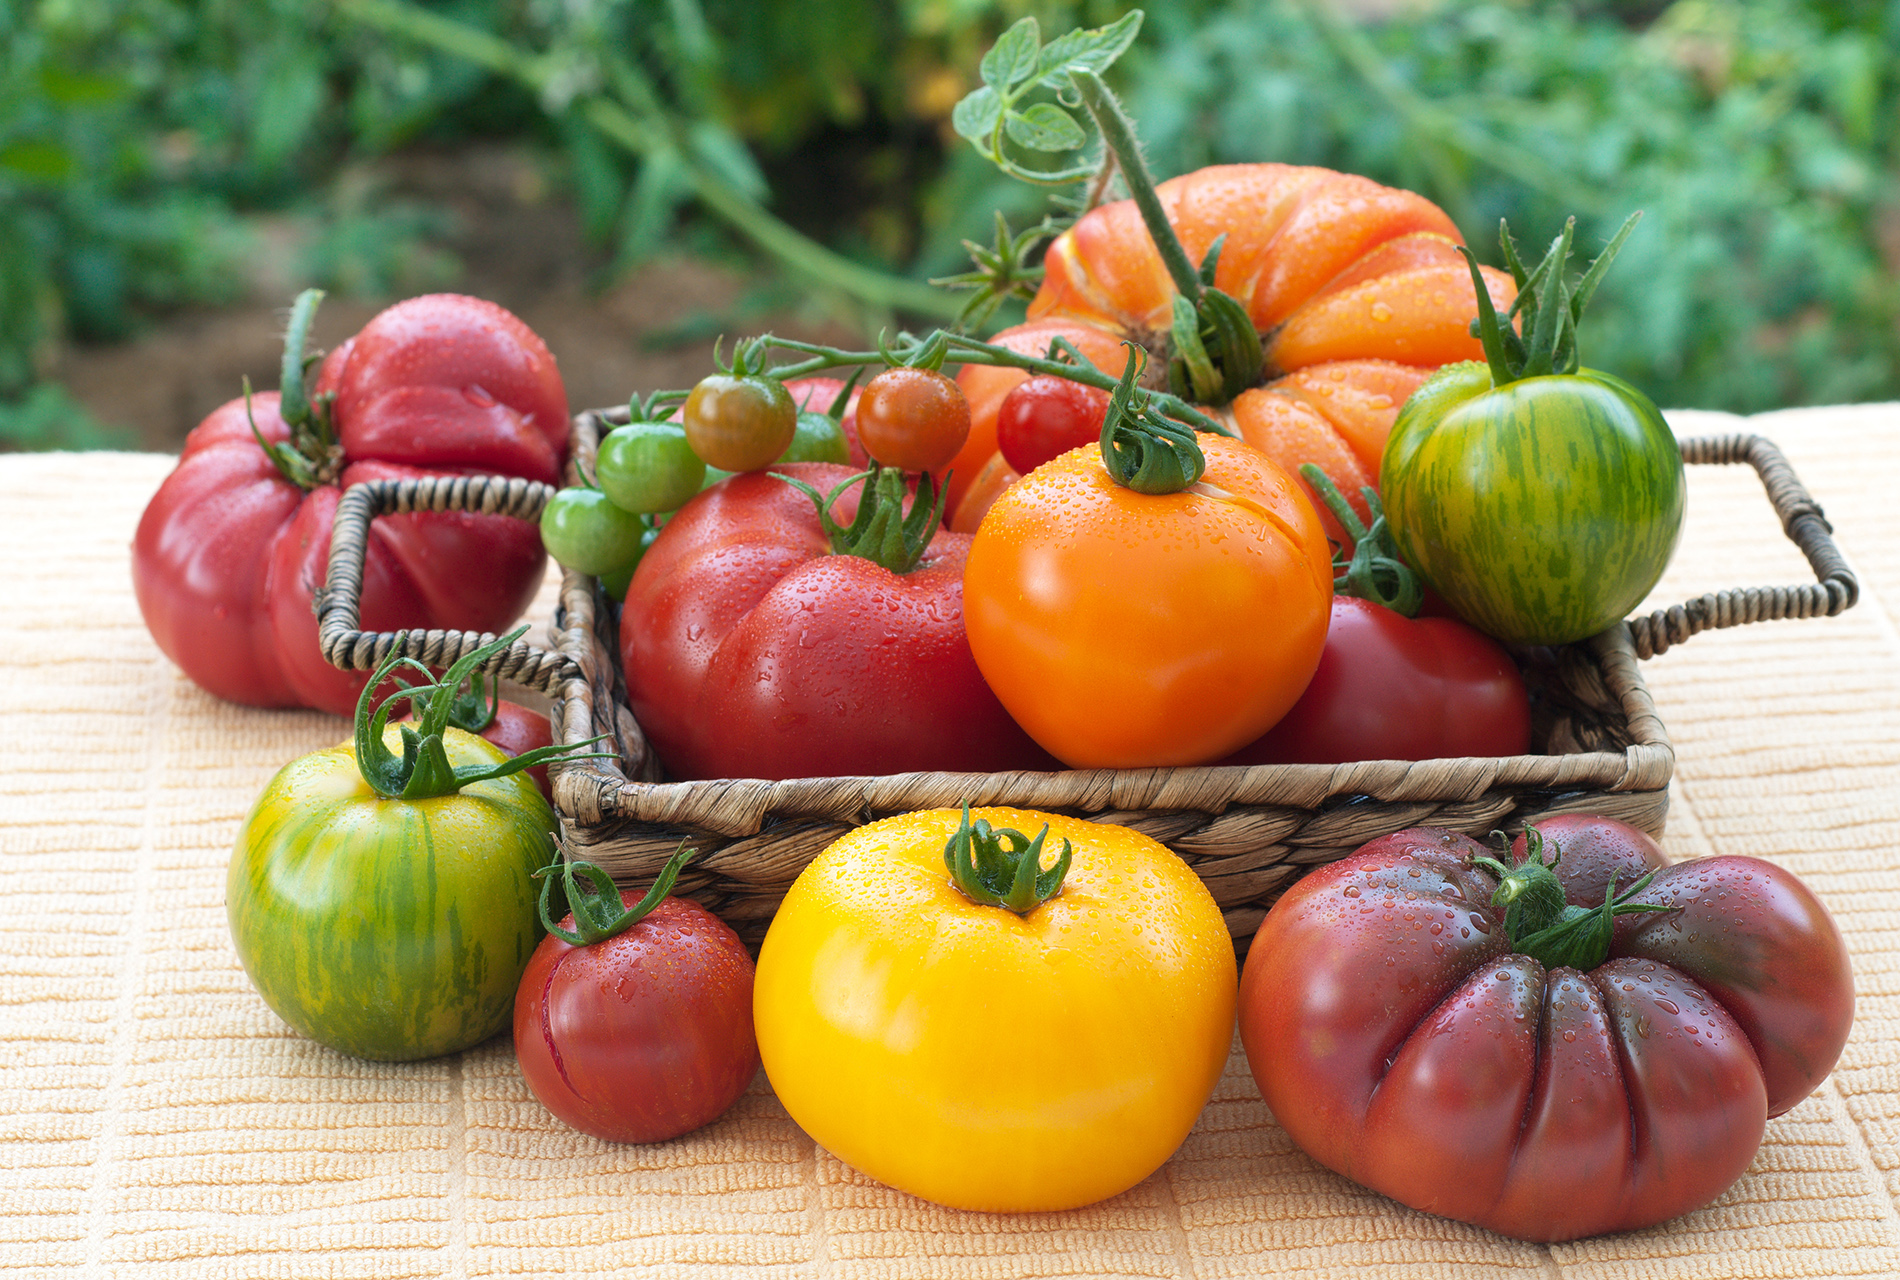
(645,1035)
(1045,417)
(913,419)
(1390,687)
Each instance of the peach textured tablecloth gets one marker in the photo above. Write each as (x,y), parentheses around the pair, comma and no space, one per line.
(159,1121)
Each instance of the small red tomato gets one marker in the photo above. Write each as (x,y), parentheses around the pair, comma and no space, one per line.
(1391,687)
(646,1033)
(739,422)
(1045,417)
(913,419)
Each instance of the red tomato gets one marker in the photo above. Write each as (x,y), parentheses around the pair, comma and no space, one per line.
(516,729)
(1046,417)
(229,553)
(1402,1039)
(645,1035)
(752,652)
(913,419)
(1127,630)
(1390,687)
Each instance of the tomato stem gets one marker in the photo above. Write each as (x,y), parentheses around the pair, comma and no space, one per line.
(424,770)
(1375,571)
(995,876)
(312,456)
(1217,350)
(598,910)
(1142,450)
(1542,924)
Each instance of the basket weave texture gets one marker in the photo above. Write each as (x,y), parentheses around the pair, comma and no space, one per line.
(1598,745)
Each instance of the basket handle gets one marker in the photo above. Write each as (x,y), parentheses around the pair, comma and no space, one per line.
(339,604)
(1835,587)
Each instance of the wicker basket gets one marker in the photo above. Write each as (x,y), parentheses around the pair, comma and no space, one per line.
(1246,830)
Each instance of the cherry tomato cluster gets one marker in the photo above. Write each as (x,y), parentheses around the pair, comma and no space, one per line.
(735,421)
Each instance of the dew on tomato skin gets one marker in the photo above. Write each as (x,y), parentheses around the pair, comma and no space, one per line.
(1642,1026)
(1352,891)
(1479,923)
(1437,928)
(1667,1006)
(1570,1037)
(478,396)
(1381,312)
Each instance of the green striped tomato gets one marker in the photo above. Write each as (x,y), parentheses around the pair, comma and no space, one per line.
(1544,510)
(386,928)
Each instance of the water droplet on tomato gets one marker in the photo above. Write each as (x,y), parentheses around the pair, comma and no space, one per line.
(478,396)
(1667,1006)
(1381,312)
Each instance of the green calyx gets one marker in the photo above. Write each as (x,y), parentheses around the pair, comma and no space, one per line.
(995,876)
(312,456)
(423,770)
(470,709)
(1541,924)
(598,910)
(1142,449)
(1217,352)
(882,532)
(1375,571)
(1551,306)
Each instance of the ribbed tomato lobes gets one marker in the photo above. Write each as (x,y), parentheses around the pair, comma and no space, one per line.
(1358,292)
(1400,1039)
(229,554)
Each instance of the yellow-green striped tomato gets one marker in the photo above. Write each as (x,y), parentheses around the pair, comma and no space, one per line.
(1543,510)
(387,928)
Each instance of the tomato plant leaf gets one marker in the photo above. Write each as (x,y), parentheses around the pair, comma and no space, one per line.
(1044,127)
(1014,57)
(976,115)
(1094,48)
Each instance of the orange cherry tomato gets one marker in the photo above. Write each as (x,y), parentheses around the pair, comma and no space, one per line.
(1125,630)
(912,419)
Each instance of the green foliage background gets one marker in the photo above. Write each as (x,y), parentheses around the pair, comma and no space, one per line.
(140,141)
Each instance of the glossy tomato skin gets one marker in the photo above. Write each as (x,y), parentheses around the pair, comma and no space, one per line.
(1390,687)
(1400,1041)
(751,651)
(913,419)
(739,422)
(985,1060)
(1544,510)
(1126,630)
(229,555)
(644,1036)
(389,929)
(1045,417)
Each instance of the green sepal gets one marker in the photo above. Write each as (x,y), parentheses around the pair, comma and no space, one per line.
(882,532)
(994,876)
(423,770)
(598,911)
(1191,373)
(1541,924)
(1375,571)
(1552,306)
(1228,334)
(1143,450)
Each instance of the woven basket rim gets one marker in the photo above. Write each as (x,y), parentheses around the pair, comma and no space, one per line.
(591,792)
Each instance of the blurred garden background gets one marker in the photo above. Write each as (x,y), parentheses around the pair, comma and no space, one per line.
(638,177)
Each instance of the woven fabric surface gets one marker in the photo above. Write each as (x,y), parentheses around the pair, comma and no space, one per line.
(159,1121)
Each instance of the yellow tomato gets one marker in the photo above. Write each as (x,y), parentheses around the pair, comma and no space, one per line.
(984,1059)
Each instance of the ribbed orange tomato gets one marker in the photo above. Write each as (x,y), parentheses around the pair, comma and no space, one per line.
(1358,292)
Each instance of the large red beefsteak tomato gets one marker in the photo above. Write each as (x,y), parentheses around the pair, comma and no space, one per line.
(1405,1032)
(752,650)
(231,551)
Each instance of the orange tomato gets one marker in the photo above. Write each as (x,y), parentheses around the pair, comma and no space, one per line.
(1353,286)
(1124,630)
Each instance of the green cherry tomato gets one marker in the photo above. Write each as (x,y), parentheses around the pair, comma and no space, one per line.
(1543,510)
(739,423)
(586,531)
(817,438)
(648,467)
(614,582)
